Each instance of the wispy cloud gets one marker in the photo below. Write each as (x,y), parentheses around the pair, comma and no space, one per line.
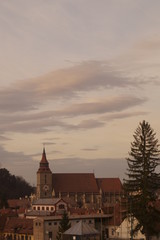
(64,83)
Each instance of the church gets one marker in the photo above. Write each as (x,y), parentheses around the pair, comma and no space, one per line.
(82,188)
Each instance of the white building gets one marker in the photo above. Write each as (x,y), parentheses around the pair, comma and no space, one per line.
(124,230)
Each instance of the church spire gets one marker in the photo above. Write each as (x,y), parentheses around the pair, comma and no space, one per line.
(44,178)
(44,165)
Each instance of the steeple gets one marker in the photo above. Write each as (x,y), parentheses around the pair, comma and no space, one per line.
(44,178)
(44,165)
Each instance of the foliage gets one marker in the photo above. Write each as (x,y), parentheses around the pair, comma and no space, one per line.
(64,225)
(143,180)
(12,186)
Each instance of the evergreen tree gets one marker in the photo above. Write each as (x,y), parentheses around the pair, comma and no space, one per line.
(142,179)
(64,225)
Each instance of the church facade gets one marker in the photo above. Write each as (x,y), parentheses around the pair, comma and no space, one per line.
(82,188)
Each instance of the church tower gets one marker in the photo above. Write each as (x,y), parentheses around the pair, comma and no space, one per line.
(44,178)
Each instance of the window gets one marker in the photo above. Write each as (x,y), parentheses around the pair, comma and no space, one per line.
(50,235)
(42,208)
(61,206)
(49,223)
(38,208)
(47,208)
(55,223)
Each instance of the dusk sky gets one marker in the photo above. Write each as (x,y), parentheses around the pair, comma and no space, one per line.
(77,76)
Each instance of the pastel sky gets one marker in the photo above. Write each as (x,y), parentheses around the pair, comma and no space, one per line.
(77,76)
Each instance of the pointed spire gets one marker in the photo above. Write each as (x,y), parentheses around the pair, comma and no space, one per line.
(44,165)
(44,159)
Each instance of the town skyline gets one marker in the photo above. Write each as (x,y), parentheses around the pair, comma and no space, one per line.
(77,77)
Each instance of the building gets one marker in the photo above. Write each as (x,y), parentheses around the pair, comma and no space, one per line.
(18,228)
(82,188)
(125,228)
(47,227)
(47,207)
(81,231)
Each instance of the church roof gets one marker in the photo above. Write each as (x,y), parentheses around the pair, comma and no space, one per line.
(75,182)
(81,229)
(109,184)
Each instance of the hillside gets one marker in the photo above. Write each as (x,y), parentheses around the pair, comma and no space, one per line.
(12,187)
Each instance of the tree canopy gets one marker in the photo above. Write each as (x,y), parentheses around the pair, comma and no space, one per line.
(12,186)
(64,225)
(143,180)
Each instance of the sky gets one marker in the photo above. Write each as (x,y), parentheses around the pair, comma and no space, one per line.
(76,77)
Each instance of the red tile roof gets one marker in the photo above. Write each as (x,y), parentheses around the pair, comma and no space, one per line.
(8,212)
(19,203)
(113,185)
(3,220)
(75,182)
(19,225)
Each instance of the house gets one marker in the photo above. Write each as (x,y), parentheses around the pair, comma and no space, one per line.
(18,228)
(125,228)
(47,207)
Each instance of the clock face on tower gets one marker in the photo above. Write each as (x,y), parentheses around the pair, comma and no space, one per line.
(45,188)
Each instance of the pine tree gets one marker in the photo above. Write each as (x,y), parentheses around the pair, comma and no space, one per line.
(64,225)
(142,179)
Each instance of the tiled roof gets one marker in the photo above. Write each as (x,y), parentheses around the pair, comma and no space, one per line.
(113,185)
(19,225)
(74,182)
(8,212)
(81,229)
(81,211)
(35,213)
(2,222)
(18,203)
(46,201)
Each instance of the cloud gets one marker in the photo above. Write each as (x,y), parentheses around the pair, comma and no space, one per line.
(45,120)
(142,60)
(62,84)
(89,124)
(23,104)
(122,115)
(89,149)
(48,143)
(111,104)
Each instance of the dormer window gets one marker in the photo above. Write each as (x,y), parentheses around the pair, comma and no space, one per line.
(61,206)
